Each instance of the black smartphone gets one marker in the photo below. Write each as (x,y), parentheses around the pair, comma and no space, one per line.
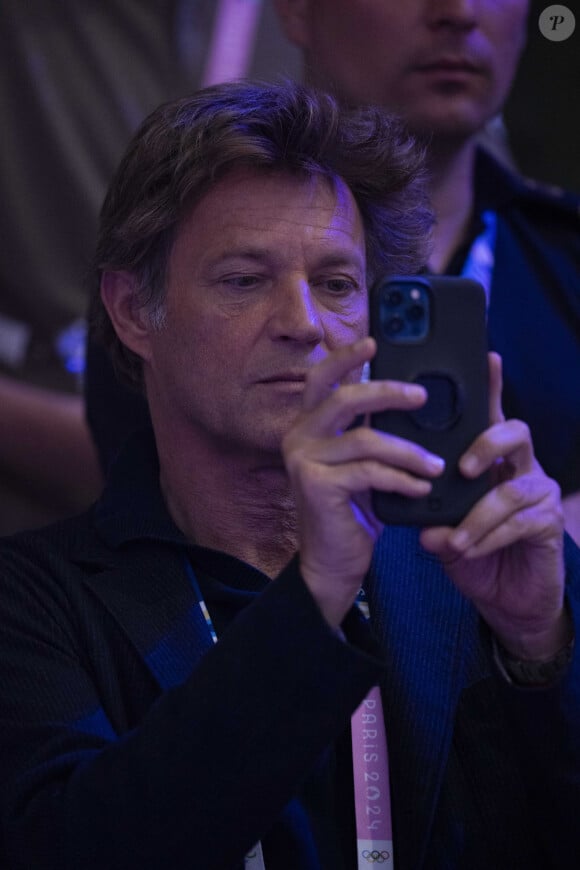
(431,330)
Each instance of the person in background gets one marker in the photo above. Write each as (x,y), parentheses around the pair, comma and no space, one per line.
(189,672)
(77,78)
(447,67)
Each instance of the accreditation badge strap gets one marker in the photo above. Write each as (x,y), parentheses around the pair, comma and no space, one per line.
(254,860)
(372,797)
(370,769)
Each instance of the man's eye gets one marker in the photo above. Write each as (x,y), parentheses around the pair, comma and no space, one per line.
(340,285)
(242,281)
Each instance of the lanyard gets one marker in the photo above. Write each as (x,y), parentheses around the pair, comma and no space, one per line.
(370,768)
(254,860)
(370,764)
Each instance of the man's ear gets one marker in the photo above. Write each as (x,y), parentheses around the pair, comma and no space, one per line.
(294,17)
(129,318)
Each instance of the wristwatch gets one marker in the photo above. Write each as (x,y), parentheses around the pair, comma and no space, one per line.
(523,672)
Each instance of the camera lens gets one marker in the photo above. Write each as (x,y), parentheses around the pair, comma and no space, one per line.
(393,298)
(415,312)
(394,325)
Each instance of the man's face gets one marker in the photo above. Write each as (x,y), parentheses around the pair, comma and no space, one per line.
(445,65)
(266,275)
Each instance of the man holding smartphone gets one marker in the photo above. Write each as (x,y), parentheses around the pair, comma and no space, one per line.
(185,679)
(447,67)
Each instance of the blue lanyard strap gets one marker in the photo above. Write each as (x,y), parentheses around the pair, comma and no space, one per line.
(200,601)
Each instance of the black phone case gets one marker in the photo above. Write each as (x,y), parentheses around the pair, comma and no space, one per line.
(451,362)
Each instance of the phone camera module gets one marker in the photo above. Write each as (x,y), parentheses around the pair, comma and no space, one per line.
(394,325)
(415,312)
(405,312)
(393,299)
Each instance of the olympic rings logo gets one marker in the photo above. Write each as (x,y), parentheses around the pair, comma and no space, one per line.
(376,857)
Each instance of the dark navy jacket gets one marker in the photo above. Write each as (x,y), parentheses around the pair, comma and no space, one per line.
(534,312)
(129,742)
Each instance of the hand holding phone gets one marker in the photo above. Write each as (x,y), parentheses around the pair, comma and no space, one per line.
(431,330)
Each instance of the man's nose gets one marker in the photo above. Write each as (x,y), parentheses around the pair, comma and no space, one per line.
(452,14)
(296,314)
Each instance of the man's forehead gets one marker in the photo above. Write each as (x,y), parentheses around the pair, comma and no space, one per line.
(249,199)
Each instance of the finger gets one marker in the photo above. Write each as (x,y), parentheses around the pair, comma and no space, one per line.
(517,509)
(533,523)
(368,444)
(338,410)
(323,377)
(509,440)
(496,414)
(360,476)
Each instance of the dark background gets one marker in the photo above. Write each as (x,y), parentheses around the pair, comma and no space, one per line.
(543,113)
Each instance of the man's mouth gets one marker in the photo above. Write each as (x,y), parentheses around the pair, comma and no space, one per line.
(451,64)
(285,377)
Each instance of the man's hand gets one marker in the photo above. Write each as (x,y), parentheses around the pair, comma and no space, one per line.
(506,555)
(333,470)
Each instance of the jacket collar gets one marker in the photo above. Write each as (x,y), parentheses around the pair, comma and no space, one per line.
(132,507)
(498,186)
(144,587)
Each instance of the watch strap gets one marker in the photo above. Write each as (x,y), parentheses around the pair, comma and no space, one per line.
(526,672)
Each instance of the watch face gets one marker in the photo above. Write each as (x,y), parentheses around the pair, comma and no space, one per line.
(527,673)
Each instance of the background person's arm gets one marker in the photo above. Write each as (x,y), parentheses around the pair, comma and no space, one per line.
(46,450)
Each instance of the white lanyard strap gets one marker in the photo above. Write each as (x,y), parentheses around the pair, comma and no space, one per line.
(370,764)
(371,784)
(254,860)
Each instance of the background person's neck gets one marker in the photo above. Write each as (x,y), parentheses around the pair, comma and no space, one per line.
(452,193)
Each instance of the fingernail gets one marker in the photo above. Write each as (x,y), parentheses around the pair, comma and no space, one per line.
(435,463)
(414,391)
(459,540)
(469,464)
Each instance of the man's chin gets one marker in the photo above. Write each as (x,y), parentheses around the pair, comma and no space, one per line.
(452,126)
(458,114)
(265,441)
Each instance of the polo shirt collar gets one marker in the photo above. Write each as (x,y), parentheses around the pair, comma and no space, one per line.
(132,507)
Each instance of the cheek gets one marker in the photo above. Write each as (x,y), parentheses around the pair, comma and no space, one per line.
(510,33)
(180,346)
(505,68)
(362,324)
(358,45)
(347,328)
